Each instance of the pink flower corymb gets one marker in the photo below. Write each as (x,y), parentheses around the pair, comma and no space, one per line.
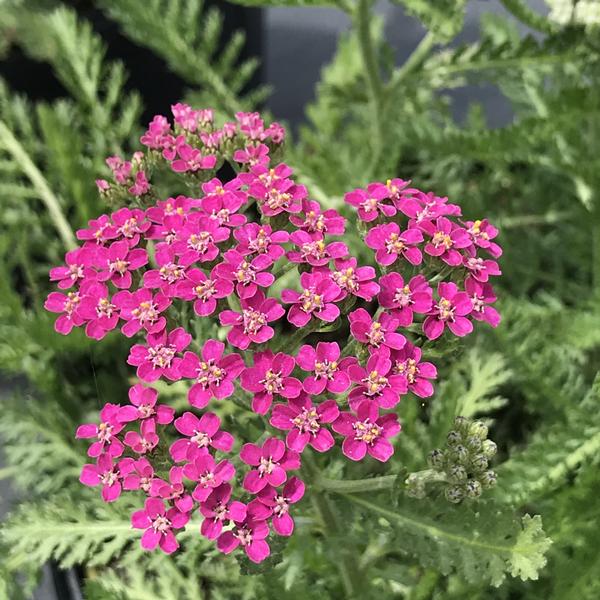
(198,285)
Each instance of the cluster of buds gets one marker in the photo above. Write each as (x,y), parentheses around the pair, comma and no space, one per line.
(462,467)
(227,253)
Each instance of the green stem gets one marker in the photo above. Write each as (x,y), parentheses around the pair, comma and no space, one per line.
(413,61)
(287,266)
(353,486)
(40,185)
(345,560)
(596,248)
(362,18)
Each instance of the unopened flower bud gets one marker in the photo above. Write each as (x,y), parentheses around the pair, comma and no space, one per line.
(461,424)
(488,479)
(457,474)
(479,462)
(454,494)
(460,454)
(473,488)
(473,443)
(478,429)
(489,448)
(436,459)
(454,438)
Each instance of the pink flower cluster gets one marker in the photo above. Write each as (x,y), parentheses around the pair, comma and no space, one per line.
(137,267)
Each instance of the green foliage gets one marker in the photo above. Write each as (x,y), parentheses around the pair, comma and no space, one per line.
(554,451)
(189,39)
(444,19)
(483,544)
(531,380)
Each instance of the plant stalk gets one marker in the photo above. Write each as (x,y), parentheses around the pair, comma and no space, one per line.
(40,184)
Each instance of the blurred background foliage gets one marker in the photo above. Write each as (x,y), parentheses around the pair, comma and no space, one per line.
(532,380)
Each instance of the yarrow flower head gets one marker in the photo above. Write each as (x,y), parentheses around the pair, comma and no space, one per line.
(200,286)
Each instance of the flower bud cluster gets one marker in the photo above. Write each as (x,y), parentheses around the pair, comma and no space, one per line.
(464,462)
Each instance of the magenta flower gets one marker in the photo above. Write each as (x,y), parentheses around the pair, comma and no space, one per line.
(366,432)
(446,239)
(143,406)
(106,474)
(203,290)
(329,372)
(105,433)
(202,432)
(450,310)
(481,269)
(140,476)
(304,422)
(159,524)
(158,128)
(79,268)
(404,300)
(140,185)
(313,220)
(157,358)
(185,116)
(117,261)
(170,273)
(407,363)
(223,203)
(281,195)
(214,373)
(217,508)
(208,474)
(171,212)
(482,295)
(246,274)
(144,441)
(260,239)
(142,310)
(173,490)
(252,155)
(100,230)
(279,503)
(197,240)
(67,305)
(377,383)
(390,243)
(131,224)
(354,280)
(370,202)
(313,250)
(96,307)
(481,234)
(192,159)
(249,533)
(270,376)
(272,460)
(376,333)
(316,299)
(252,324)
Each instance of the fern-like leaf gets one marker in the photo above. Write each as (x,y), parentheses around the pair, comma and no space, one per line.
(189,39)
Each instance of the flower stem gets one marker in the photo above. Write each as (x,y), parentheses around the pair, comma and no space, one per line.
(362,19)
(346,560)
(10,142)
(412,62)
(596,248)
(353,486)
